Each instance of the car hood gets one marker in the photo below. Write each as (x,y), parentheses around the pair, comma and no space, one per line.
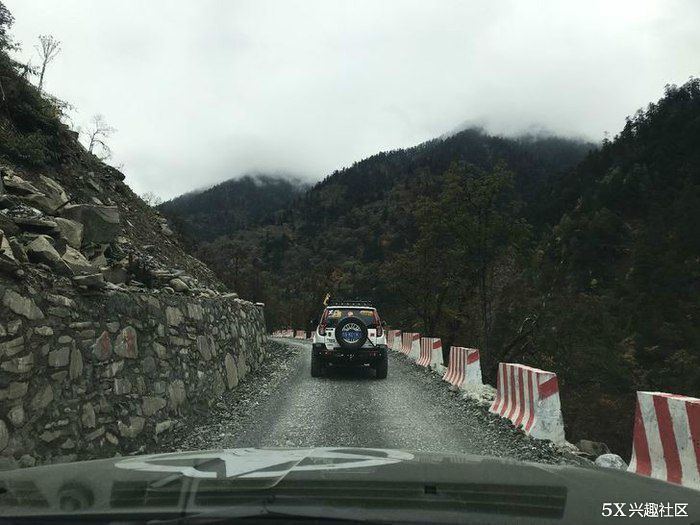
(186,482)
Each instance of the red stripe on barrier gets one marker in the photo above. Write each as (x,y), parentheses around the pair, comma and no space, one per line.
(640,444)
(693,411)
(674,472)
(511,394)
(472,357)
(549,387)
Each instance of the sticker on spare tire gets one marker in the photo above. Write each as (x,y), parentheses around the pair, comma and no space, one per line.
(351,332)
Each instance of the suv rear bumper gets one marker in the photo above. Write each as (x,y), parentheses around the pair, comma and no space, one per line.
(343,357)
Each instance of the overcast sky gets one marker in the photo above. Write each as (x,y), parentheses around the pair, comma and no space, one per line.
(202,91)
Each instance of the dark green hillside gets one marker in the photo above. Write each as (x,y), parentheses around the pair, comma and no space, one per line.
(232,205)
(531,249)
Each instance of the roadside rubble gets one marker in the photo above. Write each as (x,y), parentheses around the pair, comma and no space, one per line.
(50,233)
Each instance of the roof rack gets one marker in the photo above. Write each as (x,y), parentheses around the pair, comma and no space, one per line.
(350,302)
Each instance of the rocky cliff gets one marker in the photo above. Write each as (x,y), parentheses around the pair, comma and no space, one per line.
(109,332)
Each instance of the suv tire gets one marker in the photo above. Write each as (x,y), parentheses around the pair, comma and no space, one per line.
(382,367)
(355,324)
(316,366)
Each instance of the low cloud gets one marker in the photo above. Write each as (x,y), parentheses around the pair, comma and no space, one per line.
(204,91)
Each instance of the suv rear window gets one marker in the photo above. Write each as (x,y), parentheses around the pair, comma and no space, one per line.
(367,315)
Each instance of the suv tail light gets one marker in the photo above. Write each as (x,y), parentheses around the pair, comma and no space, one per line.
(378,323)
(322,324)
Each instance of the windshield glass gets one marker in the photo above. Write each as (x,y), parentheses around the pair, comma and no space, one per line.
(333,315)
(376,261)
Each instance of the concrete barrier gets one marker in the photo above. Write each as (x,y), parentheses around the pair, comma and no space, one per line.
(529,397)
(666,442)
(430,353)
(464,368)
(414,352)
(410,344)
(300,334)
(391,338)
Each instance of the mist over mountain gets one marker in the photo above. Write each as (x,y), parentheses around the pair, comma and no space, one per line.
(536,249)
(231,205)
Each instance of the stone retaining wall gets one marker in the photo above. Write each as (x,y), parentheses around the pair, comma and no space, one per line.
(91,376)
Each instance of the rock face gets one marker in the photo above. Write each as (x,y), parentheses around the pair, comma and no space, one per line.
(109,330)
(71,231)
(100,374)
(100,223)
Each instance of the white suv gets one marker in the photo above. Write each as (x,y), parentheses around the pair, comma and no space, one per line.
(349,333)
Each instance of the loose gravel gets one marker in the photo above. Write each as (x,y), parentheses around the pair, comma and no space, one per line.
(282,405)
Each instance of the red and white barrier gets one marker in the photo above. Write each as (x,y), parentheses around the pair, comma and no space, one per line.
(410,344)
(530,397)
(666,443)
(300,334)
(430,353)
(414,352)
(398,341)
(393,340)
(464,368)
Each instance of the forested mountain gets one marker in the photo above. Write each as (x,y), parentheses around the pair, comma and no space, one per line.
(543,251)
(232,205)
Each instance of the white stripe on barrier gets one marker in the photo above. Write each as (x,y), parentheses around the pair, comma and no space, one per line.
(430,353)
(529,397)
(414,352)
(666,440)
(397,340)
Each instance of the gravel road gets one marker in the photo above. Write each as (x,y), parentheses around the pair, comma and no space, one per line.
(281,405)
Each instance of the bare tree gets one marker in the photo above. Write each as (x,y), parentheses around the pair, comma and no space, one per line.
(48,49)
(97,134)
(151,198)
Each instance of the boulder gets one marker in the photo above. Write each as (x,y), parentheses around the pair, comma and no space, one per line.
(100,223)
(152,404)
(5,248)
(59,358)
(611,461)
(12,347)
(177,393)
(8,262)
(94,281)
(21,305)
(41,250)
(126,343)
(18,250)
(592,448)
(133,429)
(38,225)
(54,192)
(231,371)
(18,186)
(76,364)
(71,231)
(179,285)
(102,349)
(76,261)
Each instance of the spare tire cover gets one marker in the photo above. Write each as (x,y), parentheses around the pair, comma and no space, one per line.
(351,333)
